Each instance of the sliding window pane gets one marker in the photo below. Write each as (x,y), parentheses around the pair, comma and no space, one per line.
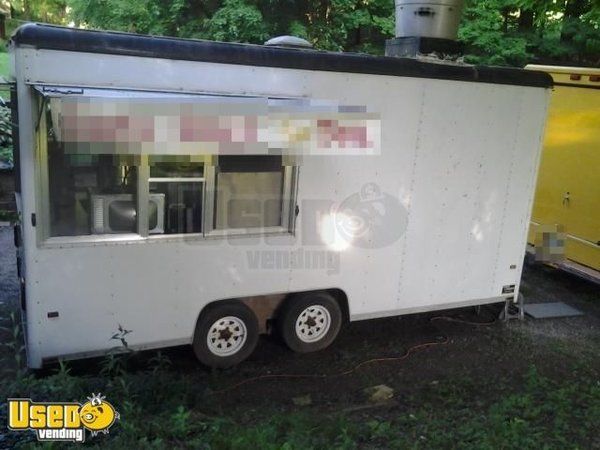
(249,192)
(176,207)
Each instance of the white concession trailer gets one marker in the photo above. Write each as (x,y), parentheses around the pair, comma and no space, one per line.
(177,191)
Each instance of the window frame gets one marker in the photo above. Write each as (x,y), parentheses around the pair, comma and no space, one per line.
(150,179)
(45,240)
(288,198)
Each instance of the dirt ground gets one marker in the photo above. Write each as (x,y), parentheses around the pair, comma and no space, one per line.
(462,351)
(496,352)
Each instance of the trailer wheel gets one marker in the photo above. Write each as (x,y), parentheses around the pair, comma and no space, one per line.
(309,322)
(226,334)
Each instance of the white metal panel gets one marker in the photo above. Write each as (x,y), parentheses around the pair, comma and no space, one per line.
(30,204)
(464,153)
(520,191)
(368,275)
(117,71)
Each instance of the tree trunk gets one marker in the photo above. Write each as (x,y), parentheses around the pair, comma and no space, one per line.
(573,11)
(27,10)
(575,8)
(526,20)
(505,12)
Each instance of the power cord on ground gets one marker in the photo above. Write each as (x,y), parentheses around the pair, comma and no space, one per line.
(439,340)
(468,322)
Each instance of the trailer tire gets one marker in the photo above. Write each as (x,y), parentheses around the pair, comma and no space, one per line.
(309,322)
(226,334)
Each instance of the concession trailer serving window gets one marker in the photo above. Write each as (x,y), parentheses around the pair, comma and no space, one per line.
(118,165)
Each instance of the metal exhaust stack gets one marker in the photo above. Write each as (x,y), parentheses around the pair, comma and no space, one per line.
(425,28)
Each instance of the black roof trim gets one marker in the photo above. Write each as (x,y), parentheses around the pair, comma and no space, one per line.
(72,39)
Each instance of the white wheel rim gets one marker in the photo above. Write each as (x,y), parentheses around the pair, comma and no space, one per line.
(313,323)
(226,336)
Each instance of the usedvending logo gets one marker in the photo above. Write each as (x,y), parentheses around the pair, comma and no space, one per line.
(62,421)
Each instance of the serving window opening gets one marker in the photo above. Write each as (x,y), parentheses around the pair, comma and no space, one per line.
(96,179)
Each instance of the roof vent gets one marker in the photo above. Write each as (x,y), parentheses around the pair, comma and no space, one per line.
(426,28)
(288,41)
(433,19)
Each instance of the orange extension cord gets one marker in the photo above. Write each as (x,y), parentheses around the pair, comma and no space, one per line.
(408,352)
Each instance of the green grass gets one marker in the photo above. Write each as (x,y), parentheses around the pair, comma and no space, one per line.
(160,408)
(4,65)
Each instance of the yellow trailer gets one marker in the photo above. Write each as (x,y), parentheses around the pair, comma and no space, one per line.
(566,210)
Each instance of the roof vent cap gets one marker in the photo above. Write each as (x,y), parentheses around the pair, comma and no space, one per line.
(288,41)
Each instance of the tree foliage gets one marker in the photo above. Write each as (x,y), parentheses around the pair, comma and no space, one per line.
(502,32)
(50,11)
(355,25)
(515,32)
(236,21)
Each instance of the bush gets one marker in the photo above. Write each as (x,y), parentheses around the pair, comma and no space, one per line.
(6,141)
